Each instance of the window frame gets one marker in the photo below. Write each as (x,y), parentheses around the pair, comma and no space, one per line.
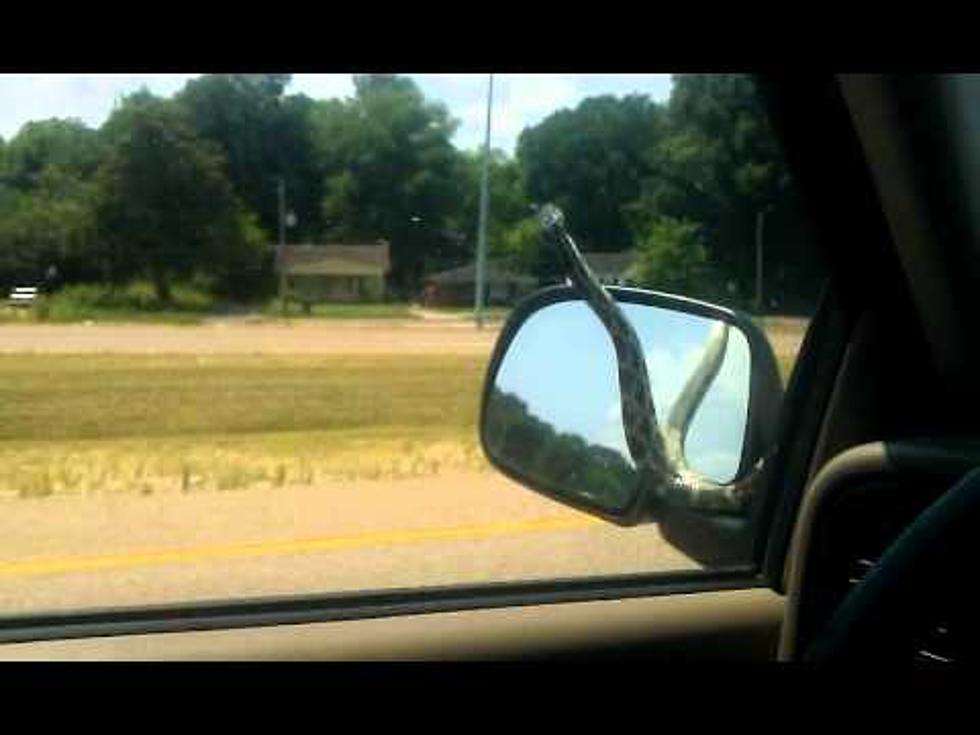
(327,607)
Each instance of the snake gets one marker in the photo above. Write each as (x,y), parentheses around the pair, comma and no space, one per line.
(658,455)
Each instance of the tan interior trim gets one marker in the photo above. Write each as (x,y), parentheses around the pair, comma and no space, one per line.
(864,459)
(939,458)
(474,634)
(842,424)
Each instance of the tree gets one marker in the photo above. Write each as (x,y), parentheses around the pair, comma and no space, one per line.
(564,462)
(49,226)
(66,144)
(509,204)
(591,161)
(392,173)
(671,257)
(165,207)
(45,200)
(719,164)
(264,134)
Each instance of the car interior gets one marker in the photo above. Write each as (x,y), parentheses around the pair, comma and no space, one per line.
(861,531)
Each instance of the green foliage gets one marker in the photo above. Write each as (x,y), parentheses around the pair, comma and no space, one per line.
(523,248)
(50,225)
(719,165)
(165,208)
(67,145)
(591,161)
(170,190)
(563,463)
(509,205)
(671,256)
(520,245)
(46,200)
(263,134)
(103,302)
(341,311)
(392,174)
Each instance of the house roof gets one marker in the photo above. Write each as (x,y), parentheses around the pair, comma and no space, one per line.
(610,264)
(336,260)
(494,273)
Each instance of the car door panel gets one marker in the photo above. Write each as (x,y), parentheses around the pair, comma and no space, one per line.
(732,625)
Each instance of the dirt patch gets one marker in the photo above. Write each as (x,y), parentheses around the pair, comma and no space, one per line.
(237,336)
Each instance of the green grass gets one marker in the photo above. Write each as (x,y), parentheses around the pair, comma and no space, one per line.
(495,313)
(341,311)
(183,423)
(134,302)
(99,423)
(104,396)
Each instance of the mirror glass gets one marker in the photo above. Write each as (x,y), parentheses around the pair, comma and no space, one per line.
(553,415)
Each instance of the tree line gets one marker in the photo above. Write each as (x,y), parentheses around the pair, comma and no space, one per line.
(185,188)
(563,462)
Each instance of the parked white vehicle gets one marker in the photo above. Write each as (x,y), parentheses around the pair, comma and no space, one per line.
(23,296)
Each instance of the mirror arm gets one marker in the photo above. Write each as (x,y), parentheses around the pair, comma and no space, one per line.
(663,471)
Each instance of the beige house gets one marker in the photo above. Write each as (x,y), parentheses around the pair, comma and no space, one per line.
(325,273)
(457,286)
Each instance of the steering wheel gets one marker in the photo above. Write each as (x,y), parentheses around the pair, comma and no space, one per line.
(928,570)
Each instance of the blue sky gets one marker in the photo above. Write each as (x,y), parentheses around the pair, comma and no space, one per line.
(519,99)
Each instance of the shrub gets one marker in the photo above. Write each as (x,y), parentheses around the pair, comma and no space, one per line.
(93,301)
(672,257)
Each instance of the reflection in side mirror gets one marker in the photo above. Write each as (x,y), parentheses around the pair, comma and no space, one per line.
(552,415)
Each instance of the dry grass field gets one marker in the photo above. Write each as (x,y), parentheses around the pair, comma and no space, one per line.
(87,410)
(110,423)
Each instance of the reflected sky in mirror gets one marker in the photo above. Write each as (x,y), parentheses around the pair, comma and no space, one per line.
(562,364)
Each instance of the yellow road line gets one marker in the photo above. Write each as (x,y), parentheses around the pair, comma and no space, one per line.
(275,548)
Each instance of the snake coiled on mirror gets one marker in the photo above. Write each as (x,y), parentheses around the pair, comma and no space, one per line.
(657,454)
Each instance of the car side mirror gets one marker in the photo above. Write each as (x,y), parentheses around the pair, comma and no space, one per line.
(552,414)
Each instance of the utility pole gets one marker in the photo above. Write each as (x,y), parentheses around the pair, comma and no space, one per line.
(282,245)
(481,241)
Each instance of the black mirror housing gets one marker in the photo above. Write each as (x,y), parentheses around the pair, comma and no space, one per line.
(549,379)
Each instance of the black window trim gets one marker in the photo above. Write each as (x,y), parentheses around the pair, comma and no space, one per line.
(864,272)
(321,608)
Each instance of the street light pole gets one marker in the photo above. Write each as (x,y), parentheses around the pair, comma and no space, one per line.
(481,242)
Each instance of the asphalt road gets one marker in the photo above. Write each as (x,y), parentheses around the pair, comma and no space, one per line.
(62,553)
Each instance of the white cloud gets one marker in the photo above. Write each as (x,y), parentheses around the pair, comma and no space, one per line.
(322,86)
(536,94)
(88,97)
(519,99)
